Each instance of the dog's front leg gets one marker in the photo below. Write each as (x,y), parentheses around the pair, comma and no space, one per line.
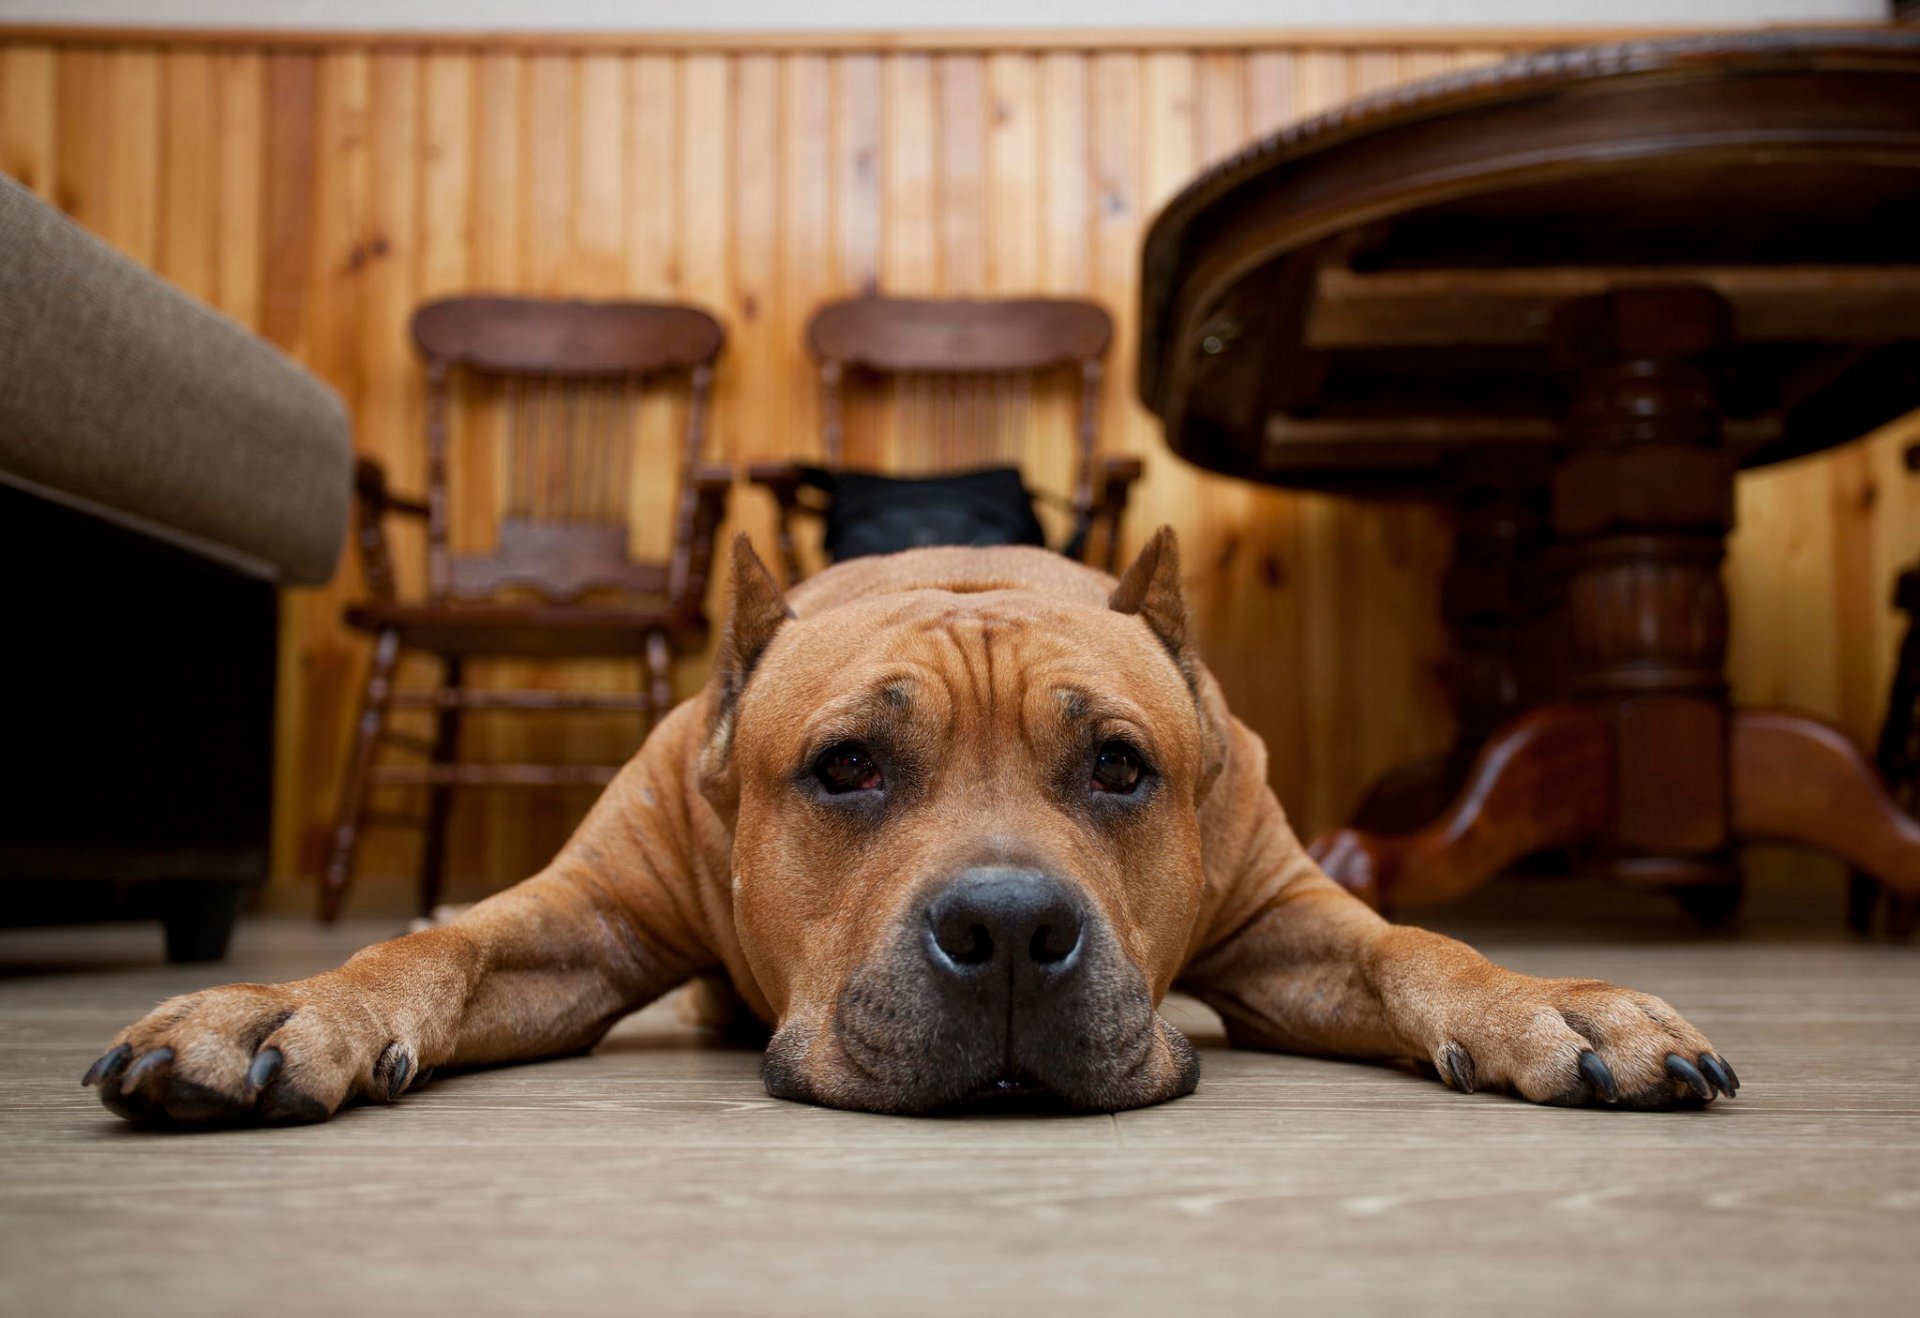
(541,969)
(1315,971)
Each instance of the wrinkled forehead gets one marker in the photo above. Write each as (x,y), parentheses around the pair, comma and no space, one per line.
(1006,659)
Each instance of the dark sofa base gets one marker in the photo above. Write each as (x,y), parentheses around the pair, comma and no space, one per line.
(198,914)
(140,684)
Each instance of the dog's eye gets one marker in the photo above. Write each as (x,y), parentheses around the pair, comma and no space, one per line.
(1117,768)
(847,767)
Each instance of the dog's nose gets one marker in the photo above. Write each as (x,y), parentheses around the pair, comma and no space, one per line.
(995,923)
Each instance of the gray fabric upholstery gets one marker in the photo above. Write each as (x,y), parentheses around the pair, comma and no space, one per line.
(121,393)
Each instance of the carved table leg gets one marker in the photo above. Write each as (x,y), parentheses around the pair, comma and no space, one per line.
(1543,781)
(1651,768)
(1642,504)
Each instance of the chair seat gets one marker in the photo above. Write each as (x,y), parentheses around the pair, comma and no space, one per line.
(535,630)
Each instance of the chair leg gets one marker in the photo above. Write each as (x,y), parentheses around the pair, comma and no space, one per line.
(1797,780)
(446,750)
(349,814)
(659,678)
(1542,781)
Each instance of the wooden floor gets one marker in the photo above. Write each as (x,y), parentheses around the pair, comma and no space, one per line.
(656,1177)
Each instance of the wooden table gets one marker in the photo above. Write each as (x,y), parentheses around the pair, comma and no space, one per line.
(1571,295)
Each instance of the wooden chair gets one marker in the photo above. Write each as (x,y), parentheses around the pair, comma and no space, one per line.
(568,379)
(963,376)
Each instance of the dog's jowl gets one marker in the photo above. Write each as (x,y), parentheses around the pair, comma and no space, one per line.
(951,823)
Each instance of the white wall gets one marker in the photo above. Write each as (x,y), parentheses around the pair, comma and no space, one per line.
(880,15)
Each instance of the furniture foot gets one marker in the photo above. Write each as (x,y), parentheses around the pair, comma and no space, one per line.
(1542,781)
(199,920)
(374,701)
(1710,905)
(1796,779)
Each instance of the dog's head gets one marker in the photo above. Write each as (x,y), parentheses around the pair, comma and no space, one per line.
(966,856)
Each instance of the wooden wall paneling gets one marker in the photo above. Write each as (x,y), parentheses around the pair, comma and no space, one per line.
(599,218)
(706,128)
(1064,202)
(757,311)
(1066,153)
(857,152)
(29,119)
(836,40)
(187,219)
(130,192)
(910,235)
(287,210)
(1114,116)
(317,190)
(1011,197)
(240,211)
(84,137)
(859,204)
(960,212)
(910,195)
(1785,618)
(808,272)
(652,243)
(1015,234)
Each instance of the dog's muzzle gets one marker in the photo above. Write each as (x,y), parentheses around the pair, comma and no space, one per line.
(1002,983)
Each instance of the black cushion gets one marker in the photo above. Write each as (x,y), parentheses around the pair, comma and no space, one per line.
(868,513)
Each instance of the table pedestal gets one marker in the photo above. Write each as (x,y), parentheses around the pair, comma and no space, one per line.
(1642,764)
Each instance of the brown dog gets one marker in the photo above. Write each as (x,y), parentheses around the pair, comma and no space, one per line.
(952,822)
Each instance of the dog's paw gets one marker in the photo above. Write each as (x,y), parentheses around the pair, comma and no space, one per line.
(1582,1043)
(246,1053)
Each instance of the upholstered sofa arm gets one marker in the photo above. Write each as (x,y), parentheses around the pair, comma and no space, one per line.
(123,395)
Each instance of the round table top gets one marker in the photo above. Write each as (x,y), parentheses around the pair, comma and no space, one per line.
(1352,302)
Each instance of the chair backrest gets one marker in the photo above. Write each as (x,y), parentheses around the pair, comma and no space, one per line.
(962,373)
(569,380)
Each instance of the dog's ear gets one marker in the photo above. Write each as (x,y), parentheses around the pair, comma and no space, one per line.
(1150,587)
(757,613)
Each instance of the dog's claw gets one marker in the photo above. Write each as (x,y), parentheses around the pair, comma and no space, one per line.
(1594,1069)
(265,1066)
(1717,1074)
(108,1066)
(396,1065)
(1689,1075)
(1458,1066)
(1732,1075)
(146,1066)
